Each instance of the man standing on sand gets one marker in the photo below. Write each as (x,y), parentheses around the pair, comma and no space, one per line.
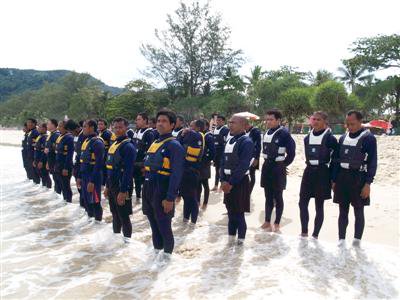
(237,158)
(354,174)
(321,151)
(279,150)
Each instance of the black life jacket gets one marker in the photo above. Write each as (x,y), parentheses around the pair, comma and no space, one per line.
(351,155)
(114,158)
(231,155)
(155,161)
(316,151)
(271,149)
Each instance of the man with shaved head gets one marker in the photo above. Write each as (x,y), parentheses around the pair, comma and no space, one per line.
(235,184)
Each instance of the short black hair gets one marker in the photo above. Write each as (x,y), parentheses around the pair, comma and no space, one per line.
(322,114)
(153,119)
(274,112)
(32,120)
(221,117)
(169,114)
(200,124)
(144,116)
(181,118)
(92,123)
(54,122)
(25,124)
(102,120)
(358,114)
(121,119)
(81,123)
(70,125)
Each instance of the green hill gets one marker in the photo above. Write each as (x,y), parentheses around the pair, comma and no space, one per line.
(17,81)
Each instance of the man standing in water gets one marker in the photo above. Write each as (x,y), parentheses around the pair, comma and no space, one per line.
(279,150)
(164,168)
(64,153)
(108,138)
(30,150)
(321,151)
(50,151)
(237,158)
(354,174)
(40,156)
(120,160)
(142,139)
(90,176)
(219,133)
(24,151)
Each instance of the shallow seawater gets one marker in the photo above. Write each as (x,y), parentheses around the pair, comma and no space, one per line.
(49,250)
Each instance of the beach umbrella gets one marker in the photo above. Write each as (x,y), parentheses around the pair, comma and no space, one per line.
(379,124)
(248,115)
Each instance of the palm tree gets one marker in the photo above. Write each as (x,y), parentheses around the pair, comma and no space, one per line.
(352,75)
(255,76)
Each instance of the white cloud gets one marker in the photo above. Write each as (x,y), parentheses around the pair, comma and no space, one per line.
(103,37)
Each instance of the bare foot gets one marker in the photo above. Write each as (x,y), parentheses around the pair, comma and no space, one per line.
(304,235)
(267,226)
(277,228)
(204,207)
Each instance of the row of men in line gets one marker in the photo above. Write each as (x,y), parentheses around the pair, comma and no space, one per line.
(172,167)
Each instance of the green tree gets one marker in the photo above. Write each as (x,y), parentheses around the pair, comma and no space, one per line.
(332,98)
(377,53)
(194,51)
(295,104)
(322,76)
(352,75)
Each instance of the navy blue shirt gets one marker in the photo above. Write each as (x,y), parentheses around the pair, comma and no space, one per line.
(369,147)
(143,145)
(193,139)
(245,153)
(156,135)
(219,139)
(40,144)
(51,146)
(64,161)
(209,151)
(128,156)
(30,143)
(78,141)
(94,172)
(176,154)
(107,137)
(285,140)
(255,135)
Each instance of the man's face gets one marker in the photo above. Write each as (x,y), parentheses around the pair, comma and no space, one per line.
(140,122)
(42,130)
(163,125)
(220,122)
(352,124)
(236,126)
(318,122)
(101,126)
(30,125)
(120,128)
(87,130)
(61,127)
(193,125)
(271,122)
(179,123)
(51,126)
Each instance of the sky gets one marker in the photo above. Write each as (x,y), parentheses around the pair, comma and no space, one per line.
(103,38)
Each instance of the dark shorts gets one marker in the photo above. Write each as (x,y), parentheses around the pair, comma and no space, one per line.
(273,176)
(95,196)
(219,153)
(349,184)
(316,183)
(238,200)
